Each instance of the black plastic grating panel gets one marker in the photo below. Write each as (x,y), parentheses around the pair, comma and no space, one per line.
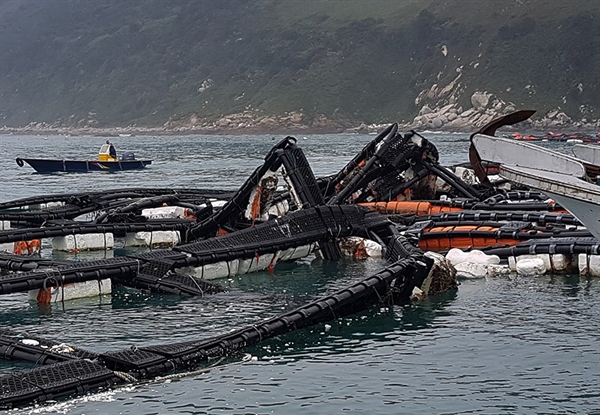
(384,186)
(176,350)
(50,382)
(270,232)
(313,224)
(54,376)
(159,254)
(128,359)
(99,263)
(175,284)
(191,282)
(16,385)
(397,145)
(302,176)
(157,268)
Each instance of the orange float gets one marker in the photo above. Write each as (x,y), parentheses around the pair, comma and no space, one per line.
(409,207)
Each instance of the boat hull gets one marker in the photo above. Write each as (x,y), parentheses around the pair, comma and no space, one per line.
(82,166)
(587,152)
(580,198)
(518,153)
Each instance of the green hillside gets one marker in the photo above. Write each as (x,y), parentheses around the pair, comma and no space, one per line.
(145,62)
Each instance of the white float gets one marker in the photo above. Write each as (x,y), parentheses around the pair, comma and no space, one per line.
(594,265)
(560,262)
(86,242)
(153,239)
(471,270)
(224,269)
(8,246)
(475,256)
(589,265)
(279,209)
(166,212)
(71,291)
(293,254)
(531,266)
(42,206)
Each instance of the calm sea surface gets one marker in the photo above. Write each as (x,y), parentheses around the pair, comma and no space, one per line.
(518,345)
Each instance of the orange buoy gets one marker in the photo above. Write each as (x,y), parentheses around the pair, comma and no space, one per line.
(409,207)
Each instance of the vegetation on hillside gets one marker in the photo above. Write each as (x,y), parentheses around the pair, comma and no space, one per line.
(144,62)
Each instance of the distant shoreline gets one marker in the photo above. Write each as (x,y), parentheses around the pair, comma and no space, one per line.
(122,132)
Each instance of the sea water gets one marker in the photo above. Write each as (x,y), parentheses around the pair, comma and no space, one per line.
(506,345)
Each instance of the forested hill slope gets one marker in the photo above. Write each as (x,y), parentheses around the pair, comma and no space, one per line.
(233,63)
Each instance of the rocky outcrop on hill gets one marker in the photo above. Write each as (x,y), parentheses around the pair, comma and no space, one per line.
(484,108)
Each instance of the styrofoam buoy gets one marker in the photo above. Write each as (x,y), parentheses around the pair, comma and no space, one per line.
(496,270)
(292,254)
(153,239)
(457,256)
(531,266)
(594,265)
(165,212)
(71,291)
(545,259)
(582,264)
(468,175)
(417,294)
(87,242)
(560,262)
(470,270)
(224,269)
(279,209)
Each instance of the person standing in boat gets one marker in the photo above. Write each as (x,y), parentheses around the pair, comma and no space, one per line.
(112,151)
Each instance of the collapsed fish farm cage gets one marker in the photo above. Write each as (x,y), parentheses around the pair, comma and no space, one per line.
(393,199)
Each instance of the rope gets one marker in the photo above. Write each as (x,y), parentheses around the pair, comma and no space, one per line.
(259,333)
(193,372)
(197,285)
(62,292)
(50,276)
(125,376)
